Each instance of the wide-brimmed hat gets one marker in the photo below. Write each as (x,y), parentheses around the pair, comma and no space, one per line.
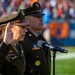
(14,18)
(34,10)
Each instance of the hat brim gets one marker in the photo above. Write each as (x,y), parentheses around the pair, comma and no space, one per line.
(17,23)
(22,24)
(37,14)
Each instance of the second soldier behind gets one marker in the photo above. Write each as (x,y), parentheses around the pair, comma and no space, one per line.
(38,60)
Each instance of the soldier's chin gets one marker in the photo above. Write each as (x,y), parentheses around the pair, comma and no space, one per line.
(21,39)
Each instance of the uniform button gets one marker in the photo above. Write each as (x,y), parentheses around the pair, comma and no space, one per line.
(12,58)
(37,56)
(30,34)
(37,63)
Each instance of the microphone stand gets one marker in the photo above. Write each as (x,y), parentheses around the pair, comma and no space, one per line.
(54,56)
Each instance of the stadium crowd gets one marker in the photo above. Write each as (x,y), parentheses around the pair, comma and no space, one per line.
(53,9)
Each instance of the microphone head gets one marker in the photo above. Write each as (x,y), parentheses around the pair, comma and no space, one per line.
(65,51)
(56,48)
(40,43)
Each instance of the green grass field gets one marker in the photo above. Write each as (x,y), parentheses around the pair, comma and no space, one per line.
(65,66)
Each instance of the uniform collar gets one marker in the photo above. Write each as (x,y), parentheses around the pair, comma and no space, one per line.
(34,33)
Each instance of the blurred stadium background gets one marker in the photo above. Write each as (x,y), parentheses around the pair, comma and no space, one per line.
(59,23)
(64,64)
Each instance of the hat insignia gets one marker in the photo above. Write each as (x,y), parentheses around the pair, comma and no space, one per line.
(37,5)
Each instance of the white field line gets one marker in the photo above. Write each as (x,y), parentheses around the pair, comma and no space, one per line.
(65,56)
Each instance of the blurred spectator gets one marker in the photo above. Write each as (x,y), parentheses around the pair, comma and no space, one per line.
(5,4)
(22,5)
(54,12)
(72,11)
(65,6)
(63,9)
(59,11)
(47,12)
(53,3)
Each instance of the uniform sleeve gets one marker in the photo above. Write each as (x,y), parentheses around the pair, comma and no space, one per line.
(4,49)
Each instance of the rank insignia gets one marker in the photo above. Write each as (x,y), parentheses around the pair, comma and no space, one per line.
(35,47)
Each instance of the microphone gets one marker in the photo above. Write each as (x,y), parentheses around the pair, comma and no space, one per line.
(42,44)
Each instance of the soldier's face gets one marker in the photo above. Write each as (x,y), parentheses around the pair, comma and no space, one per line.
(19,32)
(35,22)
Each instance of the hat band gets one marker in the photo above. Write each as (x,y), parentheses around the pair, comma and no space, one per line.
(33,12)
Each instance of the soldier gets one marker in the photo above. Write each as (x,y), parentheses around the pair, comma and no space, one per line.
(12,30)
(37,59)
